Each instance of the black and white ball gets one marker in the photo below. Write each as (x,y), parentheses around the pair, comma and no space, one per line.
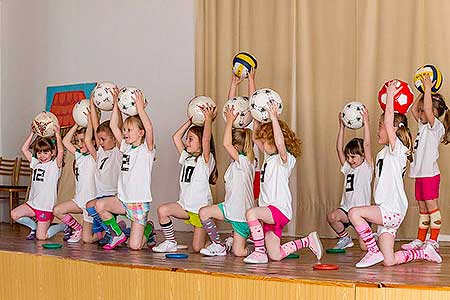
(102,95)
(126,100)
(80,112)
(195,113)
(352,115)
(240,106)
(259,104)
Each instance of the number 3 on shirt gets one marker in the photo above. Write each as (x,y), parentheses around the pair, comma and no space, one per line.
(187,173)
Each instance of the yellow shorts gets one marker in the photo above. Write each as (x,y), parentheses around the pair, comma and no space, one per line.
(193,220)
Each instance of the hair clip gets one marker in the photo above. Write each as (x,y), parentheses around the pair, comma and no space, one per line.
(401,125)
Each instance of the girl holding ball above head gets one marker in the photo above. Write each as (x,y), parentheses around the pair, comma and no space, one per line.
(427,110)
(389,193)
(134,188)
(197,158)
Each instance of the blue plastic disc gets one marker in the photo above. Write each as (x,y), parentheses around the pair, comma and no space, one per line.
(176,255)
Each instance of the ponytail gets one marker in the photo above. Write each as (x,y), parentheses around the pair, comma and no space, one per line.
(248,145)
(446,137)
(404,134)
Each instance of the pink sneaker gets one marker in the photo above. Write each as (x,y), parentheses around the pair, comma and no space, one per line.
(370,259)
(76,237)
(414,245)
(115,241)
(315,245)
(433,243)
(431,254)
(257,258)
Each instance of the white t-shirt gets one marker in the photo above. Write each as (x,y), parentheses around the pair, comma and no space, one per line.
(44,184)
(239,189)
(426,150)
(85,167)
(136,173)
(107,172)
(275,183)
(357,185)
(194,181)
(389,191)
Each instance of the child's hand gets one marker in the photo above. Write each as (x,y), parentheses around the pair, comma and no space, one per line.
(391,89)
(251,74)
(229,114)
(365,115)
(209,111)
(115,93)
(56,129)
(139,99)
(273,110)
(236,80)
(341,123)
(426,81)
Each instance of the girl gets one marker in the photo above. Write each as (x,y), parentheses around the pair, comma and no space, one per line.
(198,171)
(357,167)
(281,147)
(427,111)
(108,159)
(134,188)
(46,165)
(389,193)
(85,187)
(238,192)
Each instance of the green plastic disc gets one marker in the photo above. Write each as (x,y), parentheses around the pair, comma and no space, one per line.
(52,246)
(334,251)
(293,255)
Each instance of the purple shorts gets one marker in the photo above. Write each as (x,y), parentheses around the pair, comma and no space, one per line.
(279,219)
(427,188)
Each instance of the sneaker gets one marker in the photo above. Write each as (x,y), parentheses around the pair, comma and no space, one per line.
(150,234)
(115,241)
(214,250)
(414,245)
(151,242)
(31,235)
(229,243)
(67,233)
(166,246)
(431,254)
(370,259)
(123,227)
(76,237)
(433,243)
(344,242)
(105,239)
(315,245)
(257,258)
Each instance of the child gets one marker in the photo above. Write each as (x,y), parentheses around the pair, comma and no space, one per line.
(281,147)
(238,192)
(389,193)
(85,187)
(134,188)
(357,166)
(198,172)
(46,165)
(427,111)
(108,159)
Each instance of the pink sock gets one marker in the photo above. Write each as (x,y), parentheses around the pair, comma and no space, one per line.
(365,232)
(257,235)
(404,256)
(71,222)
(293,246)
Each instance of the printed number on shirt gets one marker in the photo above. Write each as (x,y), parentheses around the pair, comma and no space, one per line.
(38,175)
(349,183)
(103,163)
(380,166)
(263,171)
(416,143)
(125,162)
(187,173)
(77,173)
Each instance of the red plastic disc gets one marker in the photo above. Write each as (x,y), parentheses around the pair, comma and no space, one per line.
(325,267)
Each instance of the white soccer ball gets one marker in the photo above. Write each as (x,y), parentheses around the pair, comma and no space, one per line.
(102,95)
(352,115)
(44,124)
(240,106)
(126,100)
(80,112)
(259,104)
(195,113)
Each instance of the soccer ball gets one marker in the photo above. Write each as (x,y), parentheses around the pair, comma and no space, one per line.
(80,112)
(402,100)
(44,124)
(435,76)
(126,100)
(102,95)
(195,113)
(243,63)
(242,108)
(352,115)
(259,101)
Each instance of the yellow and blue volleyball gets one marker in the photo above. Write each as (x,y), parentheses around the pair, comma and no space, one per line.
(435,76)
(243,62)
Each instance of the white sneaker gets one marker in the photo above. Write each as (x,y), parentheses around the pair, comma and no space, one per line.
(414,245)
(370,259)
(431,254)
(166,246)
(75,237)
(315,245)
(257,258)
(433,243)
(344,242)
(229,243)
(214,250)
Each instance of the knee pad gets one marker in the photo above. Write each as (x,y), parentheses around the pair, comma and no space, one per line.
(435,219)
(424,221)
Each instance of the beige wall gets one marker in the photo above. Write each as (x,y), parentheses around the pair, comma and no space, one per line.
(149,44)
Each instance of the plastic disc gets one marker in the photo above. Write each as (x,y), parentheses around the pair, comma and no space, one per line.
(52,246)
(182,247)
(334,251)
(325,267)
(293,255)
(176,255)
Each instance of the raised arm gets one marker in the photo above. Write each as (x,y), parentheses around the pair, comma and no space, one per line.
(389,112)
(277,133)
(26,146)
(415,109)
(177,137)
(67,140)
(427,101)
(93,119)
(148,126)
(367,141)
(59,147)
(251,82)
(233,86)
(210,113)
(340,141)
(227,136)
(115,121)
(88,139)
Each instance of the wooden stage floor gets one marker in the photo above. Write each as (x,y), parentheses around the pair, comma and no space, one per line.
(417,274)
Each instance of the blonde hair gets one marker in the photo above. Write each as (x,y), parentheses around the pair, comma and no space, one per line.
(243,138)
(403,133)
(438,104)
(293,144)
(135,120)
(104,127)
(198,131)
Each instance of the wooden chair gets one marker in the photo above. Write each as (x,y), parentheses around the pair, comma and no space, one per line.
(22,170)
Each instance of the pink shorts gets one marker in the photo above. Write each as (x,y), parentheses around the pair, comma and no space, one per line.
(279,219)
(42,216)
(427,188)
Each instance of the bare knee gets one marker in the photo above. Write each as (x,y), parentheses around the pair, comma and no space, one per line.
(135,245)
(57,211)
(275,256)
(331,217)
(196,248)
(100,206)
(389,262)
(251,214)
(163,211)
(353,213)
(203,213)
(240,252)
(14,215)
(41,236)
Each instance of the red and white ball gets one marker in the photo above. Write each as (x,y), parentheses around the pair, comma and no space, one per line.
(402,100)
(44,124)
